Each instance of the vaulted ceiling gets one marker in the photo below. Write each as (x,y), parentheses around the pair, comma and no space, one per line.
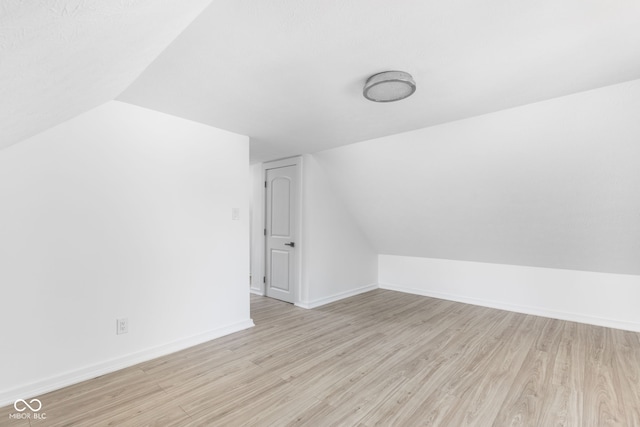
(553,184)
(289,74)
(530,186)
(60,58)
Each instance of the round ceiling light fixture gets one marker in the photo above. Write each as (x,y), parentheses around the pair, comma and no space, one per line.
(389,86)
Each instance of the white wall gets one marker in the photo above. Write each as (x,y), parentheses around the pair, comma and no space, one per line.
(533,209)
(338,260)
(554,184)
(597,298)
(120,212)
(257,229)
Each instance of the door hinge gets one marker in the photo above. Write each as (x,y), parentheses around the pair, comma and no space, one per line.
(265,231)
(264,279)
(265,184)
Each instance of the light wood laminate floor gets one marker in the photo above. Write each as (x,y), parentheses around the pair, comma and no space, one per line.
(381,358)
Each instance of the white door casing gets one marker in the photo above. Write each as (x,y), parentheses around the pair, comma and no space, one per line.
(281,231)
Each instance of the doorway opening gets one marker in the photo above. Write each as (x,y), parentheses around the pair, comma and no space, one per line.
(282,233)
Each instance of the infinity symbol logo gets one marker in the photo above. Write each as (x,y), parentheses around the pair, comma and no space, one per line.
(26,405)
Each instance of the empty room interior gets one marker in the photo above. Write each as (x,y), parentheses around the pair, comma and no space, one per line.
(320,213)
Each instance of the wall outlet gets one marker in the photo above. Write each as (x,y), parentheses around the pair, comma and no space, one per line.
(122,326)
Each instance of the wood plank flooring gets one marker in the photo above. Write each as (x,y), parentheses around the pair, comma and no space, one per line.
(378,359)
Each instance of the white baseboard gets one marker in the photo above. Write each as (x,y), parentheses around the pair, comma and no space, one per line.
(536,311)
(56,382)
(336,297)
(257,291)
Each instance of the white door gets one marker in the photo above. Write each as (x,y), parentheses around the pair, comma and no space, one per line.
(280,232)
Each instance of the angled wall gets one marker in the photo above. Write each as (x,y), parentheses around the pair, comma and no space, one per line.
(121,212)
(62,58)
(551,187)
(553,184)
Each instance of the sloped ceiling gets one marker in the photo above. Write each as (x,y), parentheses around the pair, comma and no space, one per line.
(59,58)
(289,73)
(553,184)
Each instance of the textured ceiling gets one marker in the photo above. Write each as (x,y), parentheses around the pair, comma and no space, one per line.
(61,58)
(289,73)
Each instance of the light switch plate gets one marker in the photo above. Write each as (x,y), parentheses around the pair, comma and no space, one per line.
(122,326)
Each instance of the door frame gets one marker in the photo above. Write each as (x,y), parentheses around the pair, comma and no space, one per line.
(289,161)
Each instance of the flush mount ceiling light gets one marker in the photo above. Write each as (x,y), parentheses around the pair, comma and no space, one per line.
(389,86)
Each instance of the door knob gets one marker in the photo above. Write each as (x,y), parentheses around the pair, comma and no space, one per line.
(292,244)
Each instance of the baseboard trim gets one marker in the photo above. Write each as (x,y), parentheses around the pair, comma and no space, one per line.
(256,291)
(536,311)
(336,297)
(56,382)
